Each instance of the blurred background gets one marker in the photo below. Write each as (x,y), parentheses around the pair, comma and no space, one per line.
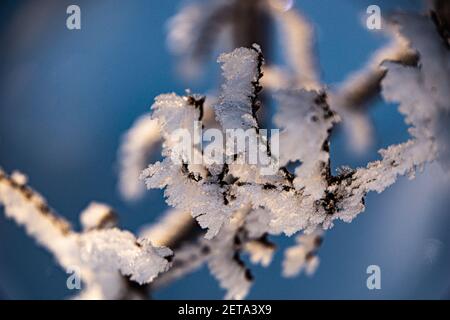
(66,97)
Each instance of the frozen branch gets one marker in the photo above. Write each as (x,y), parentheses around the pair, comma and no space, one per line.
(137,144)
(99,254)
(303,256)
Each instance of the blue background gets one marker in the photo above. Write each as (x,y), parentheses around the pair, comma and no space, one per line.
(67,96)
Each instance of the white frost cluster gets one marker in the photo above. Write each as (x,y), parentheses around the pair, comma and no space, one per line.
(137,144)
(99,255)
(225,263)
(194,188)
(312,197)
(352,97)
(113,249)
(193,31)
(173,223)
(306,121)
(303,255)
(428,110)
(97,216)
(235,107)
(297,37)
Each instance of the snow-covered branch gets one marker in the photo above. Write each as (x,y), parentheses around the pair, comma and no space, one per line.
(101,253)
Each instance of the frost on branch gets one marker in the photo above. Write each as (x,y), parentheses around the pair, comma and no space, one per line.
(221,254)
(352,97)
(172,226)
(112,250)
(305,200)
(225,263)
(203,191)
(240,235)
(195,29)
(305,114)
(237,103)
(203,26)
(303,256)
(424,101)
(309,199)
(137,143)
(98,216)
(100,253)
(202,199)
(429,109)
(30,209)
(298,41)
(261,251)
